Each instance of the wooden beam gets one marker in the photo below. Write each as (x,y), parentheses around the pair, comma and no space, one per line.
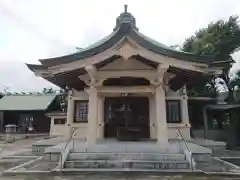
(121,89)
(148,74)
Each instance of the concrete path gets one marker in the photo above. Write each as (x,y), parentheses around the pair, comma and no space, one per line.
(16,147)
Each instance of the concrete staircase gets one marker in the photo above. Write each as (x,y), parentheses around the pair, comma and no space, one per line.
(126,161)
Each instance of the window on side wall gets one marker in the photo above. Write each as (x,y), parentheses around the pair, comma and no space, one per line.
(60,121)
(81,111)
(173,111)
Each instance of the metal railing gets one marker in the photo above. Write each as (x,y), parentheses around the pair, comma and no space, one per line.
(62,158)
(187,148)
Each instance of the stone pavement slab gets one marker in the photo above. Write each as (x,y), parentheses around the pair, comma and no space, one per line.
(49,142)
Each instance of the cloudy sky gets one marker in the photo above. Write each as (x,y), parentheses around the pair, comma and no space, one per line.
(34,29)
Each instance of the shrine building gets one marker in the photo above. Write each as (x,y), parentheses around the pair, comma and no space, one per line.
(126,86)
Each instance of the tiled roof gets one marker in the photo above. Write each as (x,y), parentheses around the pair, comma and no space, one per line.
(26,102)
(125,27)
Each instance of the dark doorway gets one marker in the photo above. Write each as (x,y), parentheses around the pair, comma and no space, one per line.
(127,118)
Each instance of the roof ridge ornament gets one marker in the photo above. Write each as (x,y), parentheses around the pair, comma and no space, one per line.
(125,18)
(125,8)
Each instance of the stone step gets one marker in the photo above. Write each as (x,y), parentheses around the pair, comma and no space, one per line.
(128,156)
(72,171)
(128,164)
(127,148)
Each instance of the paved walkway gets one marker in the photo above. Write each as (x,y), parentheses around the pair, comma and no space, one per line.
(16,147)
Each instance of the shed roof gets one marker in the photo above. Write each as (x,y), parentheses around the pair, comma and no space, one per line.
(26,102)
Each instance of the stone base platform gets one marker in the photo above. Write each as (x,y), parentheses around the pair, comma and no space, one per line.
(113,156)
(174,146)
(53,152)
(130,163)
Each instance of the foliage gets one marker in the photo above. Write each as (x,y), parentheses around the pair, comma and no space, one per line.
(48,90)
(235,81)
(237,95)
(61,100)
(219,40)
(203,87)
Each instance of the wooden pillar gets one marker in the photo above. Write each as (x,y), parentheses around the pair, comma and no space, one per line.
(70,113)
(100,119)
(1,123)
(205,120)
(51,126)
(92,115)
(152,117)
(161,119)
(184,113)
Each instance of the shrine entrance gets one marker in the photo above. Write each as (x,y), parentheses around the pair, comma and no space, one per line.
(126,118)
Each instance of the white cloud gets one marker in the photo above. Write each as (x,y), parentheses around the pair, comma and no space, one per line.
(38,29)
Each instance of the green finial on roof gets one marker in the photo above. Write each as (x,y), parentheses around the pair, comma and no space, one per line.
(125,8)
(125,18)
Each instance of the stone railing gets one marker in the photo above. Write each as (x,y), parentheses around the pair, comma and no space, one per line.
(186,150)
(66,149)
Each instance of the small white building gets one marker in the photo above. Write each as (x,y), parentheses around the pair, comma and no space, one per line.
(126,86)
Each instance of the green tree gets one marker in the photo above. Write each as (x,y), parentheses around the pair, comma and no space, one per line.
(220,39)
(235,81)
(235,85)
(48,90)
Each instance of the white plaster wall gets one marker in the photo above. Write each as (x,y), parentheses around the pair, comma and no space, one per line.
(59,130)
(171,93)
(80,95)
(81,130)
(173,135)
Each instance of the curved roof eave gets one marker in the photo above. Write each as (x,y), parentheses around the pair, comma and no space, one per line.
(127,30)
(222,63)
(91,50)
(162,49)
(34,67)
